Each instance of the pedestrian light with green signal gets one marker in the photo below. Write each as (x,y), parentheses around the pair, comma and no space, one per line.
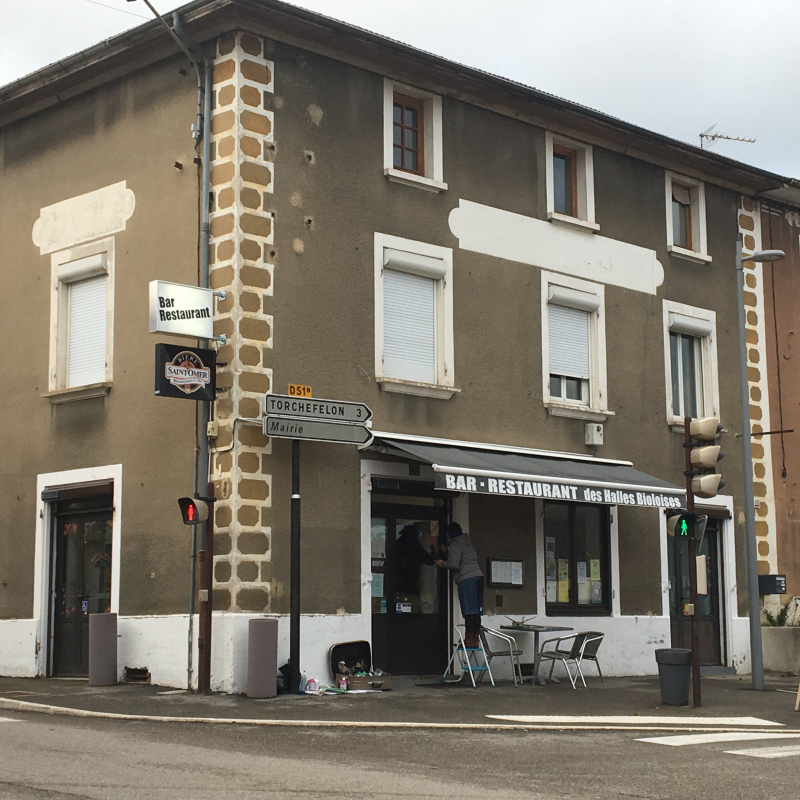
(681,524)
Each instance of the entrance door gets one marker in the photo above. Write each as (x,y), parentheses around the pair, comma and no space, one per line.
(409,593)
(81,581)
(709,607)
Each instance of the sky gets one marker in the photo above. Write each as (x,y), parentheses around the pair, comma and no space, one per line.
(677,67)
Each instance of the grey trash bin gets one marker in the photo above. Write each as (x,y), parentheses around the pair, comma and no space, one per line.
(674,675)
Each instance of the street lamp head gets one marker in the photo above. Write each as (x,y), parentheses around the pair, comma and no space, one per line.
(763,256)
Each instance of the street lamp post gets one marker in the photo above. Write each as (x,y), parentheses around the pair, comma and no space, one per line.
(756,656)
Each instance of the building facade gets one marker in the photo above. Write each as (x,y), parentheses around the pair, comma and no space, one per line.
(529,295)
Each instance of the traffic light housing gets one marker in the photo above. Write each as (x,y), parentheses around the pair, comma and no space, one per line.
(704,457)
(194,512)
(685,524)
(681,524)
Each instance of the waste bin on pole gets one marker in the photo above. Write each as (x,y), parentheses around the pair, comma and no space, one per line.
(674,675)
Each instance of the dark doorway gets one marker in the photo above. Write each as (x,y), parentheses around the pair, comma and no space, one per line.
(709,607)
(409,593)
(81,578)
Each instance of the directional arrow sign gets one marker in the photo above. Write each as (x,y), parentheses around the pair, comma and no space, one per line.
(284,405)
(316,430)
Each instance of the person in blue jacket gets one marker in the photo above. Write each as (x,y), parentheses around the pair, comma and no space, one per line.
(463,561)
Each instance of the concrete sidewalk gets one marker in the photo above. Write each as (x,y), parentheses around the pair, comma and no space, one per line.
(419,701)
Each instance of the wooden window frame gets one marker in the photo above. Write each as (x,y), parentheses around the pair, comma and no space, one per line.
(406,101)
(687,214)
(560,150)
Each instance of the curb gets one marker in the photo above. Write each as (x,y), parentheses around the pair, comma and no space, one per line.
(41,708)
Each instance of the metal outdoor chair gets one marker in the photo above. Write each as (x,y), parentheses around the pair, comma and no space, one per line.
(584,646)
(507,649)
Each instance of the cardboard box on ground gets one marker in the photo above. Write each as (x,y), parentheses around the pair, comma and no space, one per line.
(357,657)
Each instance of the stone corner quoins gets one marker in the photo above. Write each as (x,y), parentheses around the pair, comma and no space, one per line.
(749,230)
(242,233)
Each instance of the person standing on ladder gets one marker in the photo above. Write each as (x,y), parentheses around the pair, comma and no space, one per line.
(463,561)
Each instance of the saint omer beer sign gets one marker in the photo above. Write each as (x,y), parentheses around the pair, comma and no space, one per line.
(188,373)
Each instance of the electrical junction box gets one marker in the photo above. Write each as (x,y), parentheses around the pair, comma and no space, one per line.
(594,433)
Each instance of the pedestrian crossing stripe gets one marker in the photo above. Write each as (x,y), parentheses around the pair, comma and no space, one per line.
(786,751)
(711,738)
(749,722)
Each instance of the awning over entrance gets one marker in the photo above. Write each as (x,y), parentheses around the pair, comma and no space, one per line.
(516,472)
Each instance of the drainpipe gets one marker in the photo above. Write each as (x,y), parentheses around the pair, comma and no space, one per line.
(201,131)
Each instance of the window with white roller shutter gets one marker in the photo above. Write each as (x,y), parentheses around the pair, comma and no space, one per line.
(413,317)
(81,321)
(574,359)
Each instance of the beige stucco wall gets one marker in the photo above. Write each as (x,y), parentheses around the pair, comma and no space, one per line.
(326,210)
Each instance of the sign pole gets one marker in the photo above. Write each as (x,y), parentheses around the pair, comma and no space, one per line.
(687,444)
(294,581)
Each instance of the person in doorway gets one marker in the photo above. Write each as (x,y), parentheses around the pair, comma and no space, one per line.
(411,555)
(463,561)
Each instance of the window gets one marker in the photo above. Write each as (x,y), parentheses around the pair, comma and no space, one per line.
(690,352)
(577,561)
(408,135)
(565,181)
(569,176)
(81,322)
(686,218)
(573,348)
(412,131)
(413,317)
(686,364)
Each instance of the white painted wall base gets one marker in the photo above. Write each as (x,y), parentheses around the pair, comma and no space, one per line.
(160,643)
(18,647)
(781,649)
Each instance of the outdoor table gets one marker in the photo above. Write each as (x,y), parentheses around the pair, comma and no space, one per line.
(535,630)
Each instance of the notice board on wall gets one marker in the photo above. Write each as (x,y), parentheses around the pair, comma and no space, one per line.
(505,572)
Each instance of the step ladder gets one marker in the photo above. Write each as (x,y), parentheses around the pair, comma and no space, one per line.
(471,660)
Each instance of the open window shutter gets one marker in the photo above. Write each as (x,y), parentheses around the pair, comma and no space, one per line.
(568,331)
(409,326)
(86,350)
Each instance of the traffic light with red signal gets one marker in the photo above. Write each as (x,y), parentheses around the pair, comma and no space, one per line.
(194,512)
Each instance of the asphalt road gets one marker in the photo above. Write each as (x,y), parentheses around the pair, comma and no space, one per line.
(63,758)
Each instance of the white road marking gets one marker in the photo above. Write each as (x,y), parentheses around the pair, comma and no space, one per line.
(8,719)
(711,738)
(638,720)
(769,752)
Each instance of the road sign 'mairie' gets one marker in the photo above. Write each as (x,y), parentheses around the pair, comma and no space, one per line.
(317,430)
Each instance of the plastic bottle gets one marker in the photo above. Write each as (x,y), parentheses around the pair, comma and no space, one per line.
(311,686)
(343,683)
(303,683)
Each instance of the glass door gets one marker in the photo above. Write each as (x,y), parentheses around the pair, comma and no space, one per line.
(82,586)
(409,609)
(709,607)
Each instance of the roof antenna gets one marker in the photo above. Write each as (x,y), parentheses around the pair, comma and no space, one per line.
(708,135)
